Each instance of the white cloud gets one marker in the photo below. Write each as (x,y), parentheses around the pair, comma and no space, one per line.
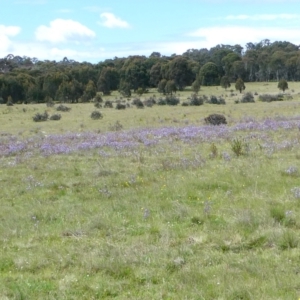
(264,17)
(63,31)
(111,21)
(212,36)
(5,33)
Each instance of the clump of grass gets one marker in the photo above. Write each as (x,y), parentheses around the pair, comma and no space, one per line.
(117,126)
(238,146)
(213,151)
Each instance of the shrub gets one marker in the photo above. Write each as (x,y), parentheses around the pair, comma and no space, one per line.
(96,115)
(270,98)
(63,108)
(215,119)
(237,146)
(215,100)
(248,98)
(138,103)
(108,104)
(283,85)
(98,105)
(98,99)
(172,100)
(196,100)
(184,104)
(120,106)
(149,102)
(50,103)
(55,117)
(40,117)
(162,101)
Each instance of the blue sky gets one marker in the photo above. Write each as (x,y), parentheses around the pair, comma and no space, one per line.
(94,30)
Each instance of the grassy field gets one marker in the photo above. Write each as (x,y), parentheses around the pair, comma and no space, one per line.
(165,208)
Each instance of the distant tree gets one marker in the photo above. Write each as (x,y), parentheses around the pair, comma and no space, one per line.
(225,82)
(108,80)
(283,85)
(180,72)
(161,86)
(170,87)
(89,92)
(155,74)
(125,89)
(196,86)
(209,74)
(239,85)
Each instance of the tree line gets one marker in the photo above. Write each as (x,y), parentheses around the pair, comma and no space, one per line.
(25,79)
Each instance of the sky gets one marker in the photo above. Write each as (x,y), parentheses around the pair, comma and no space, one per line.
(95,30)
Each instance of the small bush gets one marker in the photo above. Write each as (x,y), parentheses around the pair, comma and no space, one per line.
(98,99)
(96,115)
(40,117)
(120,106)
(55,117)
(63,108)
(239,147)
(98,105)
(138,103)
(172,100)
(50,103)
(215,119)
(184,104)
(248,98)
(149,102)
(270,98)
(108,104)
(161,101)
(215,100)
(196,100)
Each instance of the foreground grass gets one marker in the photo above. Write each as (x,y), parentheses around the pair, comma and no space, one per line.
(182,219)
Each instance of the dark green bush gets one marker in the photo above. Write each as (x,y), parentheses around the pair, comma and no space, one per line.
(96,115)
(215,119)
(161,101)
(215,100)
(248,98)
(62,107)
(149,102)
(55,117)
(108,104)
(172,100)
(40,117)
(196,100)
(138,103)
(98,105)
(120,106)
(270,98)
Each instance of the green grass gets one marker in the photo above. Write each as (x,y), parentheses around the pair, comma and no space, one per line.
(145,224)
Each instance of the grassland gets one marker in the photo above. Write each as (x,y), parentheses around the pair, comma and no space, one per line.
(166,208)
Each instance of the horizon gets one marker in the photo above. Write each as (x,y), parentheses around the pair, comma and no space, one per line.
(92,33)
